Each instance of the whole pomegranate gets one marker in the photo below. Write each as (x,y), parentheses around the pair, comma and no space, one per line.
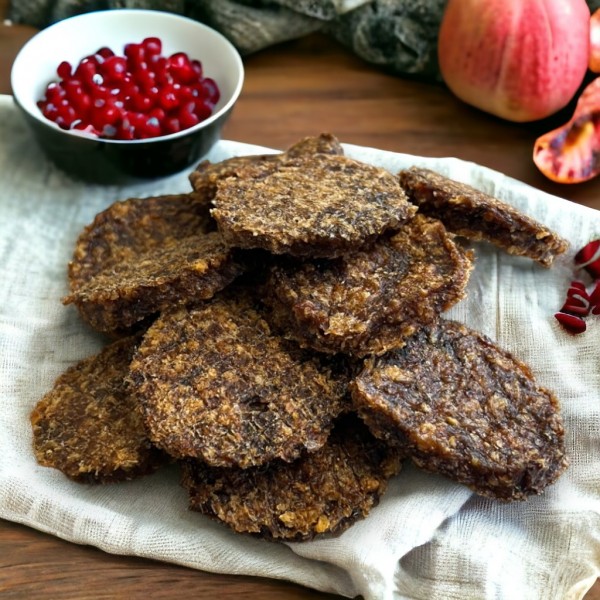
(521,60)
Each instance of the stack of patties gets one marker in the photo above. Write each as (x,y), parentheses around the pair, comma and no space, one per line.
(285,344)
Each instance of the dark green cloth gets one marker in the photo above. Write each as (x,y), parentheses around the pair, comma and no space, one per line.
(397,35)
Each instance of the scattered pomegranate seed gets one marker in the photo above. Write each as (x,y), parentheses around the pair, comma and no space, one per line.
(571,323)
(577,287)
(588,258)
(578,301)
(581,299)
(139,95)
(577,305)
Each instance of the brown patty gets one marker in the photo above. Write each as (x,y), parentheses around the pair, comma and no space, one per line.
(318,205)
(467,409)
(217,385)
(479,216)
(89,426)
(320,493)
(371,300)
(142,255)
(205,176)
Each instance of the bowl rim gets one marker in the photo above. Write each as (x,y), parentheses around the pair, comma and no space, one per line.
(117,12)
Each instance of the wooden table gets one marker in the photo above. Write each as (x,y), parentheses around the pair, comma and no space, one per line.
(296,89)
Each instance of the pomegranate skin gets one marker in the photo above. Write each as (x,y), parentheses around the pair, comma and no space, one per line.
(594,62)
(521,60)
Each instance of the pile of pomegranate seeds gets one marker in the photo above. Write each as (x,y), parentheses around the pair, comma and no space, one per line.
(582,300)
(140,95)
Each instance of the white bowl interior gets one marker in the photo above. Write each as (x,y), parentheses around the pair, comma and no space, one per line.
(76,37)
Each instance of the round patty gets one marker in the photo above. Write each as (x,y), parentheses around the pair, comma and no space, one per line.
(370,301)
(315,205)
(467,409)
(320,493)
(216,384)
(144,254)
(89,426)
(205,176)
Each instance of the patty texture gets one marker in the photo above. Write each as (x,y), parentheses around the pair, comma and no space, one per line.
(372,300)
(463,407)
(216,384)
(322,492)
(205,176)
(318,205)
(89,426)
(473,214)
(142,255)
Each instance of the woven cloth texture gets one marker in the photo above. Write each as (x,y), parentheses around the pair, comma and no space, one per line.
(429,539)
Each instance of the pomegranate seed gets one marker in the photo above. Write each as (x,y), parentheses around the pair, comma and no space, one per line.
(135,57)
(145,79)
(186,75)
(85,72)
(64,70)
(72,87)
(49,110)
(571,323)
(594,298)
(150,128)
(574,308)
(127,88)
(114,69)
(138,95)
(171,125)
(212,90)
(187,115)
(99,92)
(197,66)
(65,116)
(578,297)
(588,258)
(577,286)
(79,99)
(104,115)
(125,131)
(95,58)
(139,103)
(55,93)
(204,109)
(178,61)
(104,52)
(577,304)
(180,68)
(152,46)
(167,97)
(157,113)
(186,94)
(163,77)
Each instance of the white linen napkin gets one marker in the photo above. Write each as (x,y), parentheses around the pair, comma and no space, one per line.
(429,538)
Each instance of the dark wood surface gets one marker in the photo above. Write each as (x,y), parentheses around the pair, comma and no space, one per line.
(293,90)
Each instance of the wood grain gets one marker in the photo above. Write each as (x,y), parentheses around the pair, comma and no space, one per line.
(296,89)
